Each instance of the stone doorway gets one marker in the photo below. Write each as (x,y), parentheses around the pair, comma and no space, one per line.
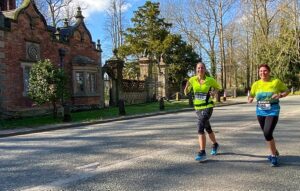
(107,90)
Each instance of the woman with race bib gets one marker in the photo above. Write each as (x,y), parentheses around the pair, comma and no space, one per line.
(267,92)
(202,85)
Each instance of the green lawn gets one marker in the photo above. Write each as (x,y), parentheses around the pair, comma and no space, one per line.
(84,116)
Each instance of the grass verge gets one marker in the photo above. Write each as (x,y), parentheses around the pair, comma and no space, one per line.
(89,116)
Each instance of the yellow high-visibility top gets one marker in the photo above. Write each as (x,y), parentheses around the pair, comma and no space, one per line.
(201,91)
(263,91)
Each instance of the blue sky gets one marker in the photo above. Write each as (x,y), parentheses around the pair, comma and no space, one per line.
(95,20)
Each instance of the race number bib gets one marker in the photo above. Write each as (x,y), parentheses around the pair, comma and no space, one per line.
(200,96)
(264,105)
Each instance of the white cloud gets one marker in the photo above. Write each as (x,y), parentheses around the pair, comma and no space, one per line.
(94,6)
(126,7)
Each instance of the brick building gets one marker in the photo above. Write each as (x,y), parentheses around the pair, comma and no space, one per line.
(26,38)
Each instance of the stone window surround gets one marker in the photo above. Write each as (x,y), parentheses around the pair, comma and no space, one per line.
(92,70)
(24,65)
(85,70)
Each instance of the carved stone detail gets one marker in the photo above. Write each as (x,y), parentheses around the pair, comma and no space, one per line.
(32,51)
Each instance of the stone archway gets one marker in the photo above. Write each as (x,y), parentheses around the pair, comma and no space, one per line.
(113,68)
(107,90)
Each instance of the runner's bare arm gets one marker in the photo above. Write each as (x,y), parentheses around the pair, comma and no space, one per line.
(280,95)
(187,88)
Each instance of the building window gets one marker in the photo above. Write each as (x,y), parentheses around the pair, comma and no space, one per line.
(91,82)
(79,82)
(26,74)
(85,83)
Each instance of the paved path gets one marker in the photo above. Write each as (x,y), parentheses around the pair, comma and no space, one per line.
(155,153)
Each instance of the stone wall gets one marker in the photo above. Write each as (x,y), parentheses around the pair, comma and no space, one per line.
(135,97)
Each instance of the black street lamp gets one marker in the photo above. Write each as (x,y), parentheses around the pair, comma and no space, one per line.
(62,54)
(66,108)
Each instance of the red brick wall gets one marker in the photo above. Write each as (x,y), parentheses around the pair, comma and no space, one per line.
(15,53)
(85,100)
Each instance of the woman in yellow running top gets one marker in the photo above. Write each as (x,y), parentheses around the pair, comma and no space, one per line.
(267,92)
(203,104)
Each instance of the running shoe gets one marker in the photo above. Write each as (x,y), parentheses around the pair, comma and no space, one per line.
(270,156)
(274,161)
(201,156)
(214,149)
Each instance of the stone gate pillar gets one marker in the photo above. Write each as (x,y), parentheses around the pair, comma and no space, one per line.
(114,67)
(146,74)
(101,80)
(162,80)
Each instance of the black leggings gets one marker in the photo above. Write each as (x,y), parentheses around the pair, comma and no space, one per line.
(203,120)
(267,124)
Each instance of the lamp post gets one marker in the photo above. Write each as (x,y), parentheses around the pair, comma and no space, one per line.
(66,109)
(62,53)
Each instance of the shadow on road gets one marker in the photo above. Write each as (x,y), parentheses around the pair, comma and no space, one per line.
(290,160)
(285,160)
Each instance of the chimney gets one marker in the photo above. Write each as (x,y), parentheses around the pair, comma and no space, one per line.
(11,5)
(7,5)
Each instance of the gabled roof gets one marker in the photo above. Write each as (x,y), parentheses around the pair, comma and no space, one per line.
(14,14)
(64,32)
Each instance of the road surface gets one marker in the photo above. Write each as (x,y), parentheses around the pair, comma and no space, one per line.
(156,153)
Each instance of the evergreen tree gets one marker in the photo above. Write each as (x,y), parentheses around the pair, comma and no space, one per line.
(180,57)
(47,84)
(146,36)
(150,37)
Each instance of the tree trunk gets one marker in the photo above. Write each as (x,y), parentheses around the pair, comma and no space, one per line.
(54,109)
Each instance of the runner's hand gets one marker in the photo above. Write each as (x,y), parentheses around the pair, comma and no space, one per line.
(250,99)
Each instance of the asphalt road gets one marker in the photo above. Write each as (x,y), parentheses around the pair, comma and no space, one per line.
(156,153)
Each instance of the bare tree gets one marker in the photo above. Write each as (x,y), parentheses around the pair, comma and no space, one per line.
(55,11)
(219,9)
(201,22)
(194,20)
(296,20)
(267,32)
(264,26)
(230,41)
(115,22)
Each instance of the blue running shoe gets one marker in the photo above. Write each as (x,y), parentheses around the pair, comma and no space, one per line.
(270,156)
(214,149)
(274,161)
(201,156)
